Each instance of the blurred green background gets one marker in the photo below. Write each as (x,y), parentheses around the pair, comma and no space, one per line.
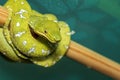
(97,26)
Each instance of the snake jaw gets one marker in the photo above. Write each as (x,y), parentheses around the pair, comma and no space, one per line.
(54,39)
(50,38)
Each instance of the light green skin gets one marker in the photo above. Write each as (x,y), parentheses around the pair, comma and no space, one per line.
(6,49)
(31,42)
(7,32)
(54,33)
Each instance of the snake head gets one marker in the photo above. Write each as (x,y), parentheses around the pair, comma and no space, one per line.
(45,28)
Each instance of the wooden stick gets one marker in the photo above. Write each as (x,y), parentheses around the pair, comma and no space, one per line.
(3,15)
(84,55)
(93,60)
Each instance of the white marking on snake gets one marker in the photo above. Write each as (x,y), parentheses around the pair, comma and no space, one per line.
(4,53)
(46,65)
(54,62)
(60,57)
(9,8)
(17,24)
(24,43)
(45,51)
(66,46)
(31,50)
(71,33)
(19,34)
(9,42)
(21,16)
(22,2)
(55,21)
(21,13)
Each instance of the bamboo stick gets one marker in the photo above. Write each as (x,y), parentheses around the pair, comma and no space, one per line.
(84,55)
(93,60)
(3,15)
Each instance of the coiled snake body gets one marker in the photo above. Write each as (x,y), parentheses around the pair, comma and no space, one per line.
(32,36)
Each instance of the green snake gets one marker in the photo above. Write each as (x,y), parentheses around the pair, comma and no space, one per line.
(29,36)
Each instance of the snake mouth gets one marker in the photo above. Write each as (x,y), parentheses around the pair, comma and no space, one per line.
(51,39)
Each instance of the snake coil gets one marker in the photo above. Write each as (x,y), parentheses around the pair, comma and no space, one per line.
(29,36)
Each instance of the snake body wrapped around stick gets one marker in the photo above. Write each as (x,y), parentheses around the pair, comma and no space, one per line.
(29,36)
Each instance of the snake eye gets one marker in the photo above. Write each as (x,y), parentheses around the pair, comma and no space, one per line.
(45,31)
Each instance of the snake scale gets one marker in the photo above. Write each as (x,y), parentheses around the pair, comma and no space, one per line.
(29,36)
